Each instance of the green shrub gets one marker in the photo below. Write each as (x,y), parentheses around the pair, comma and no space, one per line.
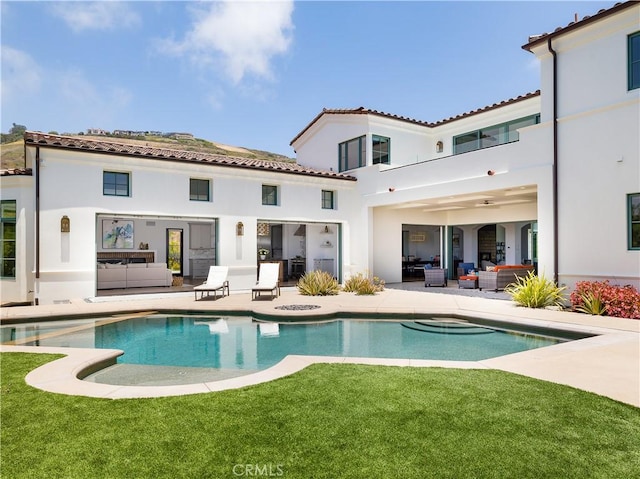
(600,297)
(363,285)
(535,291)
(318,283)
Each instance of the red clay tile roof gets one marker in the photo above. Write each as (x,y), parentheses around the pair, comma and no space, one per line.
(543,37)
(16,172)
(365,111)
(112,148)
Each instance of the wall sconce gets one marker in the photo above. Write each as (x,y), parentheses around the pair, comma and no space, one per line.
(439,147)
(326,229)
(491,172)
(239,229)
(65,224)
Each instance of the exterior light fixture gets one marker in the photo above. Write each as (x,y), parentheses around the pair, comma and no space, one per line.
(439,147)
(239,229)
(491,172)
(65,224)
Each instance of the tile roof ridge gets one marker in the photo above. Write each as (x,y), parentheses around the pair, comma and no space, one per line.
(16,172)
(363,110)
(577,23)
(154,152)
(486,108)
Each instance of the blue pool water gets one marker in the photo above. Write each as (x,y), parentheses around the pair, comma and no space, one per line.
(243,344)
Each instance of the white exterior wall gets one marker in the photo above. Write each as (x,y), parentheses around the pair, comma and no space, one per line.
(598,166)
(161,189)
(526,163)
(20,288)
(598,149)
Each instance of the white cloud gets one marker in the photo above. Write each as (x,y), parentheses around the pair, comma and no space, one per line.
(21,75)
(240,37)
(105,15)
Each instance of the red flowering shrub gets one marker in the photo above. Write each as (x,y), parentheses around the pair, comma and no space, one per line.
(618,301)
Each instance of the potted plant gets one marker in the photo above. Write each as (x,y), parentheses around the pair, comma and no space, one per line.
(263,252)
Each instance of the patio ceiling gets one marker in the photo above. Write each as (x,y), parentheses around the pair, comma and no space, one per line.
(484,199)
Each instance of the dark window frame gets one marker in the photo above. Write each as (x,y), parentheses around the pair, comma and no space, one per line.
(379,154)
(493,135)
(270,195)
(328,200)
(199,189)
(345,158)
(8,253)
(633,221)
(633,64)
(112,184)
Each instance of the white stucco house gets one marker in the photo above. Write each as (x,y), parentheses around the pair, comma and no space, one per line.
(550,178)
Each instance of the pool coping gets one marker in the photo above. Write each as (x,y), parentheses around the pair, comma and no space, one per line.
(605,364)
(63,375)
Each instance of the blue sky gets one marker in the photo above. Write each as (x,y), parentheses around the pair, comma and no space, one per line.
(254,74)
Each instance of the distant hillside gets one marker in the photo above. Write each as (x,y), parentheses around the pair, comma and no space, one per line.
(12,154)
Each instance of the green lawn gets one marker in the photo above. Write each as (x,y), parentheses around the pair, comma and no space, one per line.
(327,421)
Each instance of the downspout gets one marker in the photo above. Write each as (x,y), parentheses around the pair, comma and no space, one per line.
(555,161)
(37,232)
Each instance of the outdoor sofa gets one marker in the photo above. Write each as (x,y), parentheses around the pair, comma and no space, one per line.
(133,275)
(501,276)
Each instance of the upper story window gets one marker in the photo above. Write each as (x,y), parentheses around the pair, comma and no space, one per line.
(115,184)
(199,190)
(492,135)
(269,195)
(353,153)
(328,200)
(8,238)
(380,151)
(634,61)
(633,212)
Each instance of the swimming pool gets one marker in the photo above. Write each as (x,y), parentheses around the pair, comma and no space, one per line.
(242,345)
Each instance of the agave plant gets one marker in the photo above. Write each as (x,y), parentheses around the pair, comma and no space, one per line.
(591,304)
(535,291)
(318,283)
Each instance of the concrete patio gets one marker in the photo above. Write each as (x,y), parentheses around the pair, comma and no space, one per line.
(607,364)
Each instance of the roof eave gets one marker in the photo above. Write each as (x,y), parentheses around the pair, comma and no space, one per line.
(544,38)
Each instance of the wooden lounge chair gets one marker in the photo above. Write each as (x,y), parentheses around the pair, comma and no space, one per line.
(216,281)
(267,280)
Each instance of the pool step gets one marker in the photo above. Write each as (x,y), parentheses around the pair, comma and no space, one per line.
(446,327)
